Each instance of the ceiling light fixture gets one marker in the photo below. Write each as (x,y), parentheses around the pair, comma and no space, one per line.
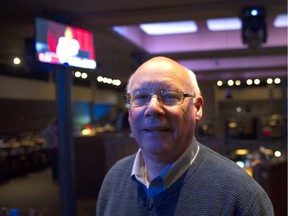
(16,60)
(257,81)
(219,83)
(249,82)
(165,28)
(77,74)
(281,21)
(107,80)
(84,75)
(277,80)
(224,24)
(237,82)
(230,82)
(269,81)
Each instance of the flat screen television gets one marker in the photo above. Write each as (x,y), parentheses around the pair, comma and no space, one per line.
(61,44)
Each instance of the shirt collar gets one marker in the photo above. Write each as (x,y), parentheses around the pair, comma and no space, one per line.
(182,164)
(138,169)
(171,173)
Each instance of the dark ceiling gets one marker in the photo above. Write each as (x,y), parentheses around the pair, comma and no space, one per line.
(211,60)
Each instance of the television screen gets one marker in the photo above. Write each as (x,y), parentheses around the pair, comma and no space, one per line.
(81,114)
(57,43)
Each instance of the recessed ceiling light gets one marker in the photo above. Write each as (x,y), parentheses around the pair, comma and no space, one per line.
(230,82)
(84,75)
(281,21)
(224,24)
(77,74)
(277,80)
(17,60)
(164,28)
(256,81)
(269,80)
(249,82)
(219,83)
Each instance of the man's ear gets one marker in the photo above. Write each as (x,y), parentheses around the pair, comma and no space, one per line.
(199,107)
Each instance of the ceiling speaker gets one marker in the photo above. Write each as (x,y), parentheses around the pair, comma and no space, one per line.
(254,30)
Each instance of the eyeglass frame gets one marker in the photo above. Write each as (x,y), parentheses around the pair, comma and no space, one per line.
(128,97)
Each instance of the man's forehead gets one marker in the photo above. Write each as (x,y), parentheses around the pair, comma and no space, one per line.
(154,84)
(158,81)
(160,69)
(159,64)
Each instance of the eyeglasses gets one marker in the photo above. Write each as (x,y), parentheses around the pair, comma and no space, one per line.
(167,98)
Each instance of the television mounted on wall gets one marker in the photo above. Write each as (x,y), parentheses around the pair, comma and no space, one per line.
(61,44)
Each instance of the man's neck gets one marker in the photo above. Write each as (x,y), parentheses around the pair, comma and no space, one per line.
(154,165)
(153,170)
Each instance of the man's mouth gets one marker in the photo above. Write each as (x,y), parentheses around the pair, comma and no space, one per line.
(157,129)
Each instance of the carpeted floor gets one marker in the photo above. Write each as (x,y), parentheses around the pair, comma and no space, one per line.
(37,192)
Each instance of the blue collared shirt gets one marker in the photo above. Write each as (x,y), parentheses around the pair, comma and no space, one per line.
(168,176)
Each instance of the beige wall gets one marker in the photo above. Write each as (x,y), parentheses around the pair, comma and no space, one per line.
(257,93)
(214,95)
(17,88)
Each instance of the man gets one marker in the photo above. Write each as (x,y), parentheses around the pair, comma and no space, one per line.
(173,174)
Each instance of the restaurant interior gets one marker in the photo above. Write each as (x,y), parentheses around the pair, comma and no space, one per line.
(238,51)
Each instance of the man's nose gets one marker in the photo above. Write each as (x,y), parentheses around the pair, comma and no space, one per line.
(154,107)
(154,100)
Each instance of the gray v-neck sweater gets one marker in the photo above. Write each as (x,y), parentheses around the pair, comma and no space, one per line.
(213,185)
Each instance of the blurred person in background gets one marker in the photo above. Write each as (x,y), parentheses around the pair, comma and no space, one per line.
(50,134)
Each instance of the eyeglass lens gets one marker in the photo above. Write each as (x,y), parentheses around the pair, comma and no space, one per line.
(169,98)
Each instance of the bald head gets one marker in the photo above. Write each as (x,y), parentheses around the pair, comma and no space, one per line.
(165,66)
(159,62)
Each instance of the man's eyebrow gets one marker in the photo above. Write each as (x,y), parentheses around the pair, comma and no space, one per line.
(138,90)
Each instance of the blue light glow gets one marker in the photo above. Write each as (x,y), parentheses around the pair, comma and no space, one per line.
(254,12)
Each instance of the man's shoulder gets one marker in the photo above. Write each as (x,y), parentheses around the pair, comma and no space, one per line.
(215,157)
(220,166)
(123,165)
(216,166)
(126,160)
